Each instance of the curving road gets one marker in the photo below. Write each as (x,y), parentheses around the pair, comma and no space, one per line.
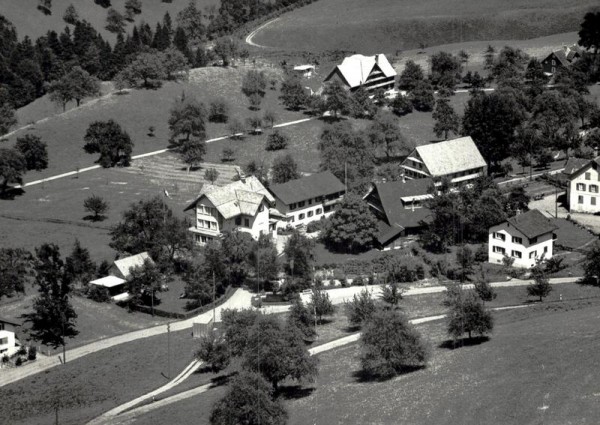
(256,31)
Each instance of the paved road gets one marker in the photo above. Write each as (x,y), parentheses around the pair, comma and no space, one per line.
(256,31)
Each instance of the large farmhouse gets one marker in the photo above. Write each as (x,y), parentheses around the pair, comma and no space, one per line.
(526,238)
(398,205)
(457,160)
(308,198)
(369,72)
(560,58)
(583,192)
(242,205)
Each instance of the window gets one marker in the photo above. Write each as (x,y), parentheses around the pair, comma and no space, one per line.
(246,222)
(516,254)
(518,240)
(581,186)
(301,216)
(499,236)
(593,199)
(310,214)
(588,176)
(204,210)
(3,341)
(319,211)
(532,241)
(498,250)
(293,206)
(327,208)
(1,326)
(310,202)
(545,250)
(238,221)
(593,188)
(553,62)
(261,208)
(532,254)
(580,199)
(203,239)
(301,204)
(205,224)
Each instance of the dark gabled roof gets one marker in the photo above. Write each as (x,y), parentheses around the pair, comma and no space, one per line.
(387,233)
(575,164)
(532,223)
(10,321)
(319,184)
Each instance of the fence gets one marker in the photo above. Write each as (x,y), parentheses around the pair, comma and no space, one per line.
(188,314)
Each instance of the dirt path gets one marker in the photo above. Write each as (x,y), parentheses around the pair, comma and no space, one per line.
(256,31)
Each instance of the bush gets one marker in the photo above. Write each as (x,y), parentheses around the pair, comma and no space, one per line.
(277,141)
(218,111)
(22,351)
(360,309)
(402,105)
(405,269)
(19,361)
(315,226)
(5,359)
(32,353)
(99,294)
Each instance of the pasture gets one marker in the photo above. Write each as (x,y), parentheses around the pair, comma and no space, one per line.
(387,26)
(31,22)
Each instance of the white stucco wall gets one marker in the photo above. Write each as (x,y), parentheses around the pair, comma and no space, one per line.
(8,347)
(527,250)
(588,178)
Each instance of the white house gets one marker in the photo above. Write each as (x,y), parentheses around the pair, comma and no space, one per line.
(242,205)
(115,286)
(121,268)
(369,72)
(583,192)
(458,160)
(308,198)
(525,237)
(8,341)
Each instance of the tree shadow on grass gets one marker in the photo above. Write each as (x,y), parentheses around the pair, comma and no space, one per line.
(294,392)
(94,218)
(464,342)
(11,193)
(219,381)
(363,376)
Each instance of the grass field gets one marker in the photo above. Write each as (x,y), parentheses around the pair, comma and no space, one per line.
(387,26)
(33,23)
(539,366)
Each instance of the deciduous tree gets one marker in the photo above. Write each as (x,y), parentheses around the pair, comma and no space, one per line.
(16,268)
(187,119)
(541,285)
(446,120)
(421,96)
(7,118)
(211,175)
(320,304)
(410,76)
(591,265)
(360,309)
(79,266)
(293,95)
(276,141)
(12,167)
(299,249)
(192,152)
(213,351)
(384,134)
(115,22)
(97,206)
(34,151)
(284,169)
(109,140)
(337,100)
(468,315)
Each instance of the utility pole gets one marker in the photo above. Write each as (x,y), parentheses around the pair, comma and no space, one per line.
(62,319)
(214,298)
(169,349)
(555,202)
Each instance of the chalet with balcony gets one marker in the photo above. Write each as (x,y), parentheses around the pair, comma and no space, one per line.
(369,72)
(560,58)
(583,191)
(242,205)
(457,160)
(400,208)
(308,198)
(526,238)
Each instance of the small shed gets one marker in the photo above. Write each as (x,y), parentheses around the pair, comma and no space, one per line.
(115,286)
(304,70)
(121,268)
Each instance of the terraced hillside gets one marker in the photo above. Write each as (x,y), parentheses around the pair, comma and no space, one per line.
(390,25)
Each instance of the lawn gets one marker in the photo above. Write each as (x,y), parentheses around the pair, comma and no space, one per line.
(91,385)
(539,366)
(137,110)
(33,23)
(387,26)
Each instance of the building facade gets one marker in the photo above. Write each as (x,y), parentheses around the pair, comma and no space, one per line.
(583,191)
(525,238)
(307,199)
(457,160)
(560,58)
(369,72)
(8,340)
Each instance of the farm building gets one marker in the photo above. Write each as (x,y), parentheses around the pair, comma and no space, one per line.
(122,268)
(242,205)
(398,206)
(8,342)
(369,72)
(305,71)
(560,58)
(457,160)
(308,198)
(115,286)
(525,238)
(583,192)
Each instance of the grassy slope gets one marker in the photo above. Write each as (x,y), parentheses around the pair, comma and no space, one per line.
(29,21)
(393,25)
(537,357)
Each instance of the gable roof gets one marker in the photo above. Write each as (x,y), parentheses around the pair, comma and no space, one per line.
(391,194)
(573,165)
(356,69)
(10,321)
(566,55)
(451,156)
(108,281)
(315,185)
(532,223)
(124,265)
(242,197)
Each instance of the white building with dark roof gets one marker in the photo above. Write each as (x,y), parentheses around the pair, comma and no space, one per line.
(526,238)
(583,191)
(9,344)
(457,160)
(121,268)
(242,205)
(369,72)
(308,199)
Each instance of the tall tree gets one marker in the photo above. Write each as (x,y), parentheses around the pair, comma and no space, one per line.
(336,99)
(293,95)
(79,266)
(410,76)
(591,265)
(468,315)
(554,115)
(284,169)
(77,85)
(71,16)
(192,152)
(12,167)
(191,22)
(589,34)
(444,69)
(143,283)
(446,119)
(16,268)
(34,151)
(115,22)
(384,134)
(148,67)
(352,228)
(53,317)
(7,118)
(320,304)
(541,285)
(299,250)
(109,140)
(227,49)
(187,120)
(422,97)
